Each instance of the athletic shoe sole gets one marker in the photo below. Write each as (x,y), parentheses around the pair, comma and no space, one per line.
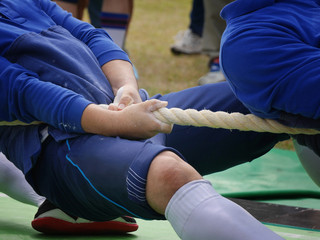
(49,225)
(177,51)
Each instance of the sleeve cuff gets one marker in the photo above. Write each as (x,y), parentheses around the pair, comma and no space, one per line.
(72,122)
(114,55)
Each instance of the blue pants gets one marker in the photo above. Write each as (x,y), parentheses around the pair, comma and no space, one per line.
(197,17)
(100,178)
(94,9)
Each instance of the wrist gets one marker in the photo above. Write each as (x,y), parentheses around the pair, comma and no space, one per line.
(97,120)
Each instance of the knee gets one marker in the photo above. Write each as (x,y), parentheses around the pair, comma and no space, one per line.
(171,171)
(167,174)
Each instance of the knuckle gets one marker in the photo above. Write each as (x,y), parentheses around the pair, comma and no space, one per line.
(125,99)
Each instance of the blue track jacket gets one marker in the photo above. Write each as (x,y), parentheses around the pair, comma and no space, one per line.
(23,95)
(49,71)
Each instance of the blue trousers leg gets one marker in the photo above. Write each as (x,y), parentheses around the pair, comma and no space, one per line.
(210,150)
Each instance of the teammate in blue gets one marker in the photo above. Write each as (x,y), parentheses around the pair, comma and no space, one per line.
(99,163)
(270,56)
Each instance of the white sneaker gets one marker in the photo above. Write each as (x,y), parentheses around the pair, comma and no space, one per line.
(186,42)
(211,77)
(215,74)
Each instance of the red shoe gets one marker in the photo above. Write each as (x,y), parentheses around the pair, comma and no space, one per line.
(51,220)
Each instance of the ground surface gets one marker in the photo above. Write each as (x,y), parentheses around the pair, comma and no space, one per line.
(269,177)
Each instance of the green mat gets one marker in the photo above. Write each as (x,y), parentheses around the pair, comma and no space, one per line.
(269,176)
(277,176)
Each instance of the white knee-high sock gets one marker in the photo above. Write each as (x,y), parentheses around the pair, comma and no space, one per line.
(13,184)
(116,25)
(197,211)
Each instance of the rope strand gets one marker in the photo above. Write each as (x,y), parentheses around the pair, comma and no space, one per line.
(207,118)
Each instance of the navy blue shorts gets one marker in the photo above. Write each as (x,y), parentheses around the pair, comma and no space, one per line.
(100,178)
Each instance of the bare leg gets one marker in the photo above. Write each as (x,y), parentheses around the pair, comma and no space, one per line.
(166,168)
(70,7)
(116,6)
(194,209)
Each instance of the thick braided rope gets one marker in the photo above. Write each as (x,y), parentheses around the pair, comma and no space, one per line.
(207,118)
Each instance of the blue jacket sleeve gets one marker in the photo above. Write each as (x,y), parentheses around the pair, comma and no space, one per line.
(97,40)
(29,99)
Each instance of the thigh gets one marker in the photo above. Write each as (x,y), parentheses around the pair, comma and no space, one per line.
(210,150)
(97,177)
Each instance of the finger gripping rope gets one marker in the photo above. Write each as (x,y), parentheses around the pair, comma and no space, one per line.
(206,118)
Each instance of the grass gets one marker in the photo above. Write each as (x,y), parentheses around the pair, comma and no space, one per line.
(152,29)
